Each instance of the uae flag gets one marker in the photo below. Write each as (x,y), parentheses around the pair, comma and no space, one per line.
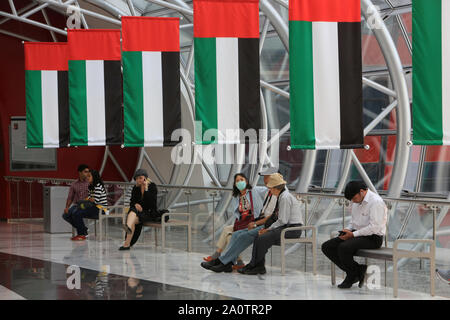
(431,72)
(227,89)
(95,87)
(151,80)
(325,74)
(47,97)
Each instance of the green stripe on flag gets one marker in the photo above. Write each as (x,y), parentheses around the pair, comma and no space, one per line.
(33,85)
(205,85)
(78,103)
(133,98)
(427,72)
(302,85)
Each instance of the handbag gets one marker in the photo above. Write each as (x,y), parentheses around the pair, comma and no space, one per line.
(240,224)
(85,204)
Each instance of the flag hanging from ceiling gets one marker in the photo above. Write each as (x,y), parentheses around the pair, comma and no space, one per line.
(47,98)
(325,74)
(431,72)
(95,87)
(151,80)
(227,76)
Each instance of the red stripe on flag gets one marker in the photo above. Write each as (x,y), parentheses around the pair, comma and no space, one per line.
(94,44)
(226,18)
(325,10)
(150,34)
(46,56)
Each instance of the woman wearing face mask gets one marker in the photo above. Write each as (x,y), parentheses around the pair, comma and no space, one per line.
(248,202)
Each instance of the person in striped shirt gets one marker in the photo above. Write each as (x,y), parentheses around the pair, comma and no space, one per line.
(96,203)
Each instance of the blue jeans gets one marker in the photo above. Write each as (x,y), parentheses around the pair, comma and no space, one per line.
(240,240)
(75,217)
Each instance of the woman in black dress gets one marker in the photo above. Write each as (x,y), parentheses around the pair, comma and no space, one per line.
(142,207)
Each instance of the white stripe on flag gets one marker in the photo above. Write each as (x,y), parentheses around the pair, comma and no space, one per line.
(95,102)
(445,72)
(227,61)
(153,99)
(50,123)
(326,85)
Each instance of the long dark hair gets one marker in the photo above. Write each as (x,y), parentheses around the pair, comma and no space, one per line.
(96,179)
(236,191)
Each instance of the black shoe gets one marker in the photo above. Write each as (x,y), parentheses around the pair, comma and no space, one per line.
(124,248)
(209,264)
(347,283)
(362,275)
(222,267)
(253,270)
(245,268)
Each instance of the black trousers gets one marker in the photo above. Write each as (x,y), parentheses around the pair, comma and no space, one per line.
(341,252)
(272,237)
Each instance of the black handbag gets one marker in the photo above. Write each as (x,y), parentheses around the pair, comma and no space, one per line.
(85,204)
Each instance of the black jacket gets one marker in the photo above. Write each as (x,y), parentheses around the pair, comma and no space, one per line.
(147,200)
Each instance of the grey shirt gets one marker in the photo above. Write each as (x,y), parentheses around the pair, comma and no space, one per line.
(289,211)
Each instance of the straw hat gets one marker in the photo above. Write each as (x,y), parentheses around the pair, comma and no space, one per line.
(275,179)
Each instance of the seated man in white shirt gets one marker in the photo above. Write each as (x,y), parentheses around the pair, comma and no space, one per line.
(287,213)
(366,231)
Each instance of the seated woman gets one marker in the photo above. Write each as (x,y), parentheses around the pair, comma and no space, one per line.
(248,202)
(243,202)
(142,207)
(88,209)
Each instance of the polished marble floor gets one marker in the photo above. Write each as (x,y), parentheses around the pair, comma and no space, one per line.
(38,265)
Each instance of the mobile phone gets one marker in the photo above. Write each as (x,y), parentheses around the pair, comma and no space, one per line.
(341,233)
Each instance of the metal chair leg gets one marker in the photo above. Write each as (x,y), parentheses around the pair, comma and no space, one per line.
(333,274)
(395,286)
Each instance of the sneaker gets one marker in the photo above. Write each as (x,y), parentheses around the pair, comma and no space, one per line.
(79,238)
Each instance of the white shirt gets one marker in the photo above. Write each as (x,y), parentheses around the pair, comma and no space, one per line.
(267,210)
(369,217)
(289,211)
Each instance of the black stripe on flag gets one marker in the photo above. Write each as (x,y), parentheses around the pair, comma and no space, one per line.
(249,86)
(170,62)
(63,108)
(350,83)
(113,102)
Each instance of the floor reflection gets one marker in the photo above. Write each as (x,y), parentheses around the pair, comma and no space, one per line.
(43,280)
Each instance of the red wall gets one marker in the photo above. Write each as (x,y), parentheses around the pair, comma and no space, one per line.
(12,103)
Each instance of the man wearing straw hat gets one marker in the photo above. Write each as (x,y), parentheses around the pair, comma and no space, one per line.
(287,213)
